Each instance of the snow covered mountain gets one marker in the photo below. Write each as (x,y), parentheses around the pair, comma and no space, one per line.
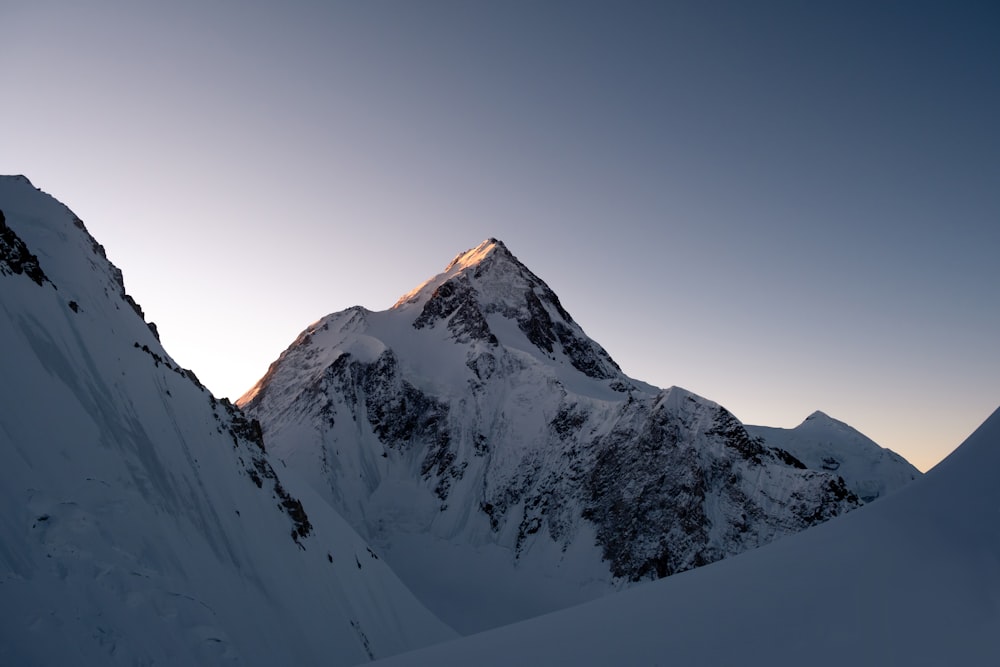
(494,452)
(142,520)
(824,443)
(913,579)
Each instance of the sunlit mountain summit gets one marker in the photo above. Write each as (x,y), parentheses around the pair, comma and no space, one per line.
(493,451)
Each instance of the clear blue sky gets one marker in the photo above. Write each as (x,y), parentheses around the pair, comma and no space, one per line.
(782,206)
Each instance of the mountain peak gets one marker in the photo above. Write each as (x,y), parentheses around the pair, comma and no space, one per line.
(820,421)
(489,283)
(495,270)
(479,254)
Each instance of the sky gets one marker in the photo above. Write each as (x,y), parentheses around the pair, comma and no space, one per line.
(781,206)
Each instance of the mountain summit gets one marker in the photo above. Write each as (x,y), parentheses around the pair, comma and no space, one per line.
(479,259)
(493,451)
(489,283)
(492,267)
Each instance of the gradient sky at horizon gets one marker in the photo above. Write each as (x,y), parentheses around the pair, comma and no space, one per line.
(782,206)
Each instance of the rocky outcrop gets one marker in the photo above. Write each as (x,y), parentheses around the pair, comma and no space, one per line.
(15,258)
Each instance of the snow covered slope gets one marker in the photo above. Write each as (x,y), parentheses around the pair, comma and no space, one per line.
(141,520)
(495,452)
(824,443)
(913,579)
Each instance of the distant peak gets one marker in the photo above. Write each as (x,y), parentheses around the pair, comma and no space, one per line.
(822,420)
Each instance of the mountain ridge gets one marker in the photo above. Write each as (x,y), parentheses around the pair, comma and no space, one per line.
(142,519)
(908,580)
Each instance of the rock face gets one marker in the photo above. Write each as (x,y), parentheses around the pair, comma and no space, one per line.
(142,520)
(824,443)
(15,259)
(920,563)
(475,426)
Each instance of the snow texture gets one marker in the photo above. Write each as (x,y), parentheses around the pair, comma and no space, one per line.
(142,520)
(493,451)
(913,579)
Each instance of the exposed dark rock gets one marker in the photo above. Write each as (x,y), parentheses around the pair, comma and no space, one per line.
(248,429)
(735,435)
(567,422)
(536,323)
(16,259)
(455,301)
(261,470)
(788,459)
(587,356)
(401,416)
(183,372)
(484,365)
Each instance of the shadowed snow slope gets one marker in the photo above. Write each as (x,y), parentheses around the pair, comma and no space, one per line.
(494,452)
(913,579)
(824,443)
(141,521)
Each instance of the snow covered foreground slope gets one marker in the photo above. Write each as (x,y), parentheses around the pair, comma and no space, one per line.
(141,522)
(913,579)
(824,443)
(495,453)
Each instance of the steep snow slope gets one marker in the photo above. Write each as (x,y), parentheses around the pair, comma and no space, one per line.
(495,452)
(824,443)
(913,579)
(141,521)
